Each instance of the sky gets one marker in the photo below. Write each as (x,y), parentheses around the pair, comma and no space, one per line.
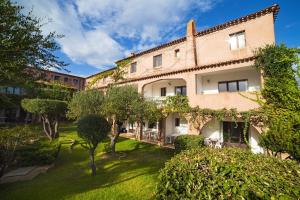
(99,32)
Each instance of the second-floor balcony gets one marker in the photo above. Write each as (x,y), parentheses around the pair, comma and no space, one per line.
(215,90)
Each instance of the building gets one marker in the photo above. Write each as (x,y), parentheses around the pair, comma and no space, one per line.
(75,82)
(17,93)
(212,67)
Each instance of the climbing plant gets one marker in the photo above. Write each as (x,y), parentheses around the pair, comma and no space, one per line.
(116,74)
(281,94)
(176,104)
(199,116)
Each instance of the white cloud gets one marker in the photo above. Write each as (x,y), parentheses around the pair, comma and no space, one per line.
(93,29)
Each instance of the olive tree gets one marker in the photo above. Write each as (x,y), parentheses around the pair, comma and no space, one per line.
(119,106)
(50,112)
(144,110)
(92,129)
(85,103)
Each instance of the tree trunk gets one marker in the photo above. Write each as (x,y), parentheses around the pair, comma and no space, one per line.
(114,135)
(92,159)
(46,127)
(139,130)
(56,133)
(113,142)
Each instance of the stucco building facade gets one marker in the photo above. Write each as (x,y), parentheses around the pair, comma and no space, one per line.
(213,68)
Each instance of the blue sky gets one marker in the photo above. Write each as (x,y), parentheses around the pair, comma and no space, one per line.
(99,32)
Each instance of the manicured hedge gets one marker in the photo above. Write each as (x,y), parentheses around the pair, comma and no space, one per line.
(185,142)
(229,173)
(42,152)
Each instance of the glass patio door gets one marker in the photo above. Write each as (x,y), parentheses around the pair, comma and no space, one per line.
(233,133)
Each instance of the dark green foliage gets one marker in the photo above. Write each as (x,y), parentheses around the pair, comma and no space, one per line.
(54,90)
(85,103)
(50,112)
(41,152)
(281,94)
(45,106)
(119,105)
(11,138)
(92,129)
(186,142)
(23,44)
(228,173)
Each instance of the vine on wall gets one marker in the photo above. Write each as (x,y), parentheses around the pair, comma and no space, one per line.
(116,74)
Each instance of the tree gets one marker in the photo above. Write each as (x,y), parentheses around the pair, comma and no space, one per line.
(23,45)
(119,106)
(92,129)
(85,103)
(50,112)
(281,98)
(144,110)
(10,140)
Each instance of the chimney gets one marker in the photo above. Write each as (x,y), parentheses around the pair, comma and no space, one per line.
(191,51)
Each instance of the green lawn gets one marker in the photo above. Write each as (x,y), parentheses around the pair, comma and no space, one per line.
(133,176)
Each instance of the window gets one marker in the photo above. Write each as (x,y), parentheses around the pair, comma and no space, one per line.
(157,60)
(163,92)
(223,87)
(237,40)
(3,90)
(56,78)
(234,132)
(66,79)
(75,81)
(242,85)
(180,90)
(233,86)
(177,121)
(177,53)
(9,90)
(17,91)
(133,67)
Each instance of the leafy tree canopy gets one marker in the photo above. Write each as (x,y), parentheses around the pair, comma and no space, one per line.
(23,45)
(85,103)
(92,129)
(50,112)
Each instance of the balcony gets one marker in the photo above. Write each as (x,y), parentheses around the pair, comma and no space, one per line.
(239,100)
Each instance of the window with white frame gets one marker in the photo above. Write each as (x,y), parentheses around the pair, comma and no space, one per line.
(237,40)
(157,60)
(133,67)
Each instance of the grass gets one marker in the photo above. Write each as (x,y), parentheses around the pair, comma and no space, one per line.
(131,176)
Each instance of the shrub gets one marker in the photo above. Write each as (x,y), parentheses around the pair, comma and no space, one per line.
(49,110)
(92,129)
(11,139)
(42,152)
(184,142)
(228,173)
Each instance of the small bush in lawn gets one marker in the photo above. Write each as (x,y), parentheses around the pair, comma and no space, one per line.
(93,129)
(229,173)
(41,152)
(184,142)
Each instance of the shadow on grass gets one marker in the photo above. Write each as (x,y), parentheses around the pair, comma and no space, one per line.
(132,176)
